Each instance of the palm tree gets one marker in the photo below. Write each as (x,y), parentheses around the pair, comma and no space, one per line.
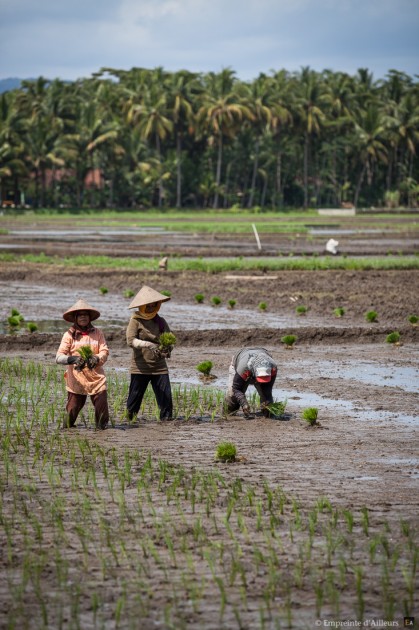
(220,115)
(310,104)
(369,130)
(151,119)
(183,89)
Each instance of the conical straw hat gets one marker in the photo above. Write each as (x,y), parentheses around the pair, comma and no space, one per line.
(147,295)
(80,305)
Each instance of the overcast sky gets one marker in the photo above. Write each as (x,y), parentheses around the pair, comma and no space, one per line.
(71,39)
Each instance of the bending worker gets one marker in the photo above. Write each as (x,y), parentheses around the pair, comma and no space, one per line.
(250,366)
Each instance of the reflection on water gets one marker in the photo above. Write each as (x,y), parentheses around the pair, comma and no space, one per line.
(44,303)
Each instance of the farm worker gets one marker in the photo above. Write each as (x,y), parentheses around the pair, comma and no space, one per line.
(84,380)
(148,363)
(250,366)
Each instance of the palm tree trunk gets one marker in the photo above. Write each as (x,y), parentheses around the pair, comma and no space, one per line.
(359,184)
(305,171)
(218,174)
(255,170)
(179,171)
(161,189)
(279,178)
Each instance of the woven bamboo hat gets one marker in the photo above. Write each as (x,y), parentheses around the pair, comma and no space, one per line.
(147,295)
(80,305)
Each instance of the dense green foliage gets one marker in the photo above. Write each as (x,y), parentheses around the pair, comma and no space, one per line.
(143,138)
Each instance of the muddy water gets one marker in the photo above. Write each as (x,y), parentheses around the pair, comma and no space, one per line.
(44,305)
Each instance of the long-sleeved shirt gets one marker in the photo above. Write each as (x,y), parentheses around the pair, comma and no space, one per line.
(243,375)
(143,360)
(86,382)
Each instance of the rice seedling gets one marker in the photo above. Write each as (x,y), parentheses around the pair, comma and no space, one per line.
(301,310)
(413,319)
(276,409)
(226,452)
(215,300)
(166,293)
(199,297)
(103,290)
(393,337)
(166,341)
(205,367)
(262,306)
(86,354)
(13,321)
(32,327)
(231,303)
(339,311)
(310,415)
(371,316)
(128,293)
(289,340)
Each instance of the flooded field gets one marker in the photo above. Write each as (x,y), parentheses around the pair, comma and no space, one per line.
(310,525)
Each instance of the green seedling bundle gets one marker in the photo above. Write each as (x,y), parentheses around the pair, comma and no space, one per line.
(79,512)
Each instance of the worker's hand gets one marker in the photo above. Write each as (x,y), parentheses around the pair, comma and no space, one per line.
(93,361)
(76,361)
(155,350)
(167,352)
(246,410)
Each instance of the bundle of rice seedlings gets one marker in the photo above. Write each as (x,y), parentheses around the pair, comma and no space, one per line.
(86,354)
(205,368)
(166,341)
(310,415)
(276,409)
(226,452)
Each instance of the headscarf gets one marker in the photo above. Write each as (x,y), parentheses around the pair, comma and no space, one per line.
(142,311)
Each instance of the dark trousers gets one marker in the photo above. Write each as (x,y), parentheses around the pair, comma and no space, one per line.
(75,403)
(162,391)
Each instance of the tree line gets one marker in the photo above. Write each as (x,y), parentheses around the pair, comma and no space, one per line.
(151,138)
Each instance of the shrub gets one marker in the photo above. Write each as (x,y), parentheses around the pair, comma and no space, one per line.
(413,319)
(199,297)
(371,316)
(339,312)
(262,306)
(103,290)
(310,415)
(32,327)
(232,303)
(301,310)
(393,337)
(216,301)
(289,340)
(129,293)
(205,367)
(226,452)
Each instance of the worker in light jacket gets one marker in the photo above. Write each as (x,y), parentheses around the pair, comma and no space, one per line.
(84,378)
(250,366)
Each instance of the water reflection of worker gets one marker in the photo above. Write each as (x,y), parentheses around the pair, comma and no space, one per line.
(84,380)
(148,363)
(250,366)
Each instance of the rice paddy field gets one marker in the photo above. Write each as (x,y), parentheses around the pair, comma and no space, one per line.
(141,526)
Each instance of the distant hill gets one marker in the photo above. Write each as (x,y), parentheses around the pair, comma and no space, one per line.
(11,83)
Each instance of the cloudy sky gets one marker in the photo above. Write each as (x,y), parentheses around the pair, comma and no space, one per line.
(71,39)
